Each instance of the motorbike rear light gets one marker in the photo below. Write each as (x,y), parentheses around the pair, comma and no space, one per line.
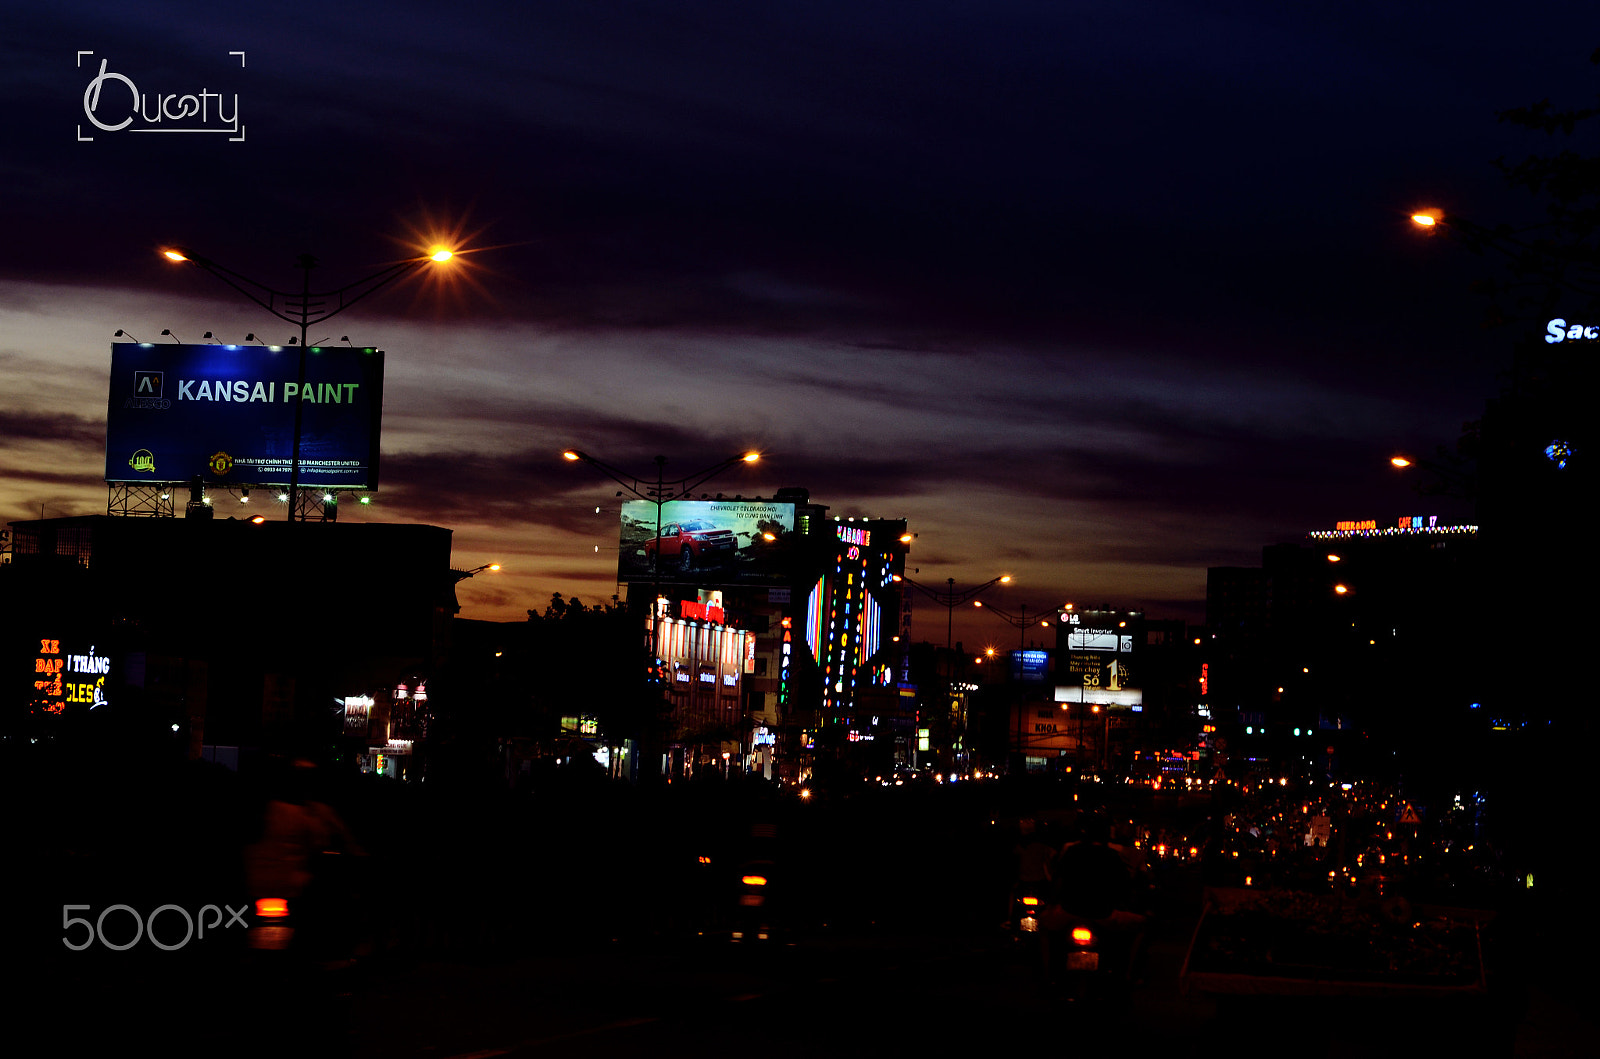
(754,880)
(1031,902)
(1083,935)
(272,908)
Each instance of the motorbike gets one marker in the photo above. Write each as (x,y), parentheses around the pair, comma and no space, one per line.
(1027,902)
(1089,958)
(753,920)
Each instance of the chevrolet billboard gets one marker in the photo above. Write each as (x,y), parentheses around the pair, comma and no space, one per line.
(706,542)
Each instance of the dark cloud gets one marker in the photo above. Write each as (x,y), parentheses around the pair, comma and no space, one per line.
(51,426)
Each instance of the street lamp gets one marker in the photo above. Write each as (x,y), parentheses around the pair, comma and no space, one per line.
(458,576)
(304,309)
(1019,621)
(1453,479)
(949,598)
(663,491)
(1534,261)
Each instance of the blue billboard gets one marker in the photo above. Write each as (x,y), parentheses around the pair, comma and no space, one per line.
(226,414)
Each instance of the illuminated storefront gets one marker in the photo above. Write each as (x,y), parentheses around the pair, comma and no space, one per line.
(704,664)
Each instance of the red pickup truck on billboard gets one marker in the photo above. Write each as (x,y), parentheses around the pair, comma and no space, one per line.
(692,543)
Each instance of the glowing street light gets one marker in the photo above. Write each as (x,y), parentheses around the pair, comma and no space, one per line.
(660,493)
(1457,480)
(950,599)
(304,308)
(663,491)
(458,576)
(1019,621)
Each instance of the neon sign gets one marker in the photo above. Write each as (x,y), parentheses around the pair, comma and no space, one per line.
(1404,524)
(1558,330)
(689,609)
(855,535)
(53,669)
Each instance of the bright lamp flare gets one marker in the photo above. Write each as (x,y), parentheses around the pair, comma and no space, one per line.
(751,457)
(173,255)
(1424,220)
(1399,461)
(439,253)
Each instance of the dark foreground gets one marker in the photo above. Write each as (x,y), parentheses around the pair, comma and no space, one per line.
(599,920)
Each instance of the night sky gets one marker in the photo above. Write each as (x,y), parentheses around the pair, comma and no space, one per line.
(1097,295)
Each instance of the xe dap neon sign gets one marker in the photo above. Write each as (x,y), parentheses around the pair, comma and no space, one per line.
(62,677)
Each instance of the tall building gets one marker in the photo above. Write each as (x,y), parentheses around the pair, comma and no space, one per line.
(774,630)
(1357,641)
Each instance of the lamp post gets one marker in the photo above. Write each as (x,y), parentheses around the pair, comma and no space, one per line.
(1019,621)
(661,492)
(458,576)
(950,598)
(303,309)
(1452,479)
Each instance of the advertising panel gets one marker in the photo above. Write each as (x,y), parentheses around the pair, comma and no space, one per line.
(226,414)
(707,542)
(1030,667)
(1098,669)
(63,675)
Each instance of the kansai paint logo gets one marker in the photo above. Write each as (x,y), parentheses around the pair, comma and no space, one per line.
(112,102)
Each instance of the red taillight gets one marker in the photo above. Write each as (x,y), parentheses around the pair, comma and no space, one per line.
(1082,935)
(272,908)
(754,880)
(1031,902)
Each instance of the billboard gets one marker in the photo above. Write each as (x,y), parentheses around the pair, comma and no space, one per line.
(226,415)
(1098,668)
(707,542)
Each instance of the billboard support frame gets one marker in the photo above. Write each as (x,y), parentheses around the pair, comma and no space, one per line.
(139,499)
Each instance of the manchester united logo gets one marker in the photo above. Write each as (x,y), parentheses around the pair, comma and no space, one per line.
(221,463)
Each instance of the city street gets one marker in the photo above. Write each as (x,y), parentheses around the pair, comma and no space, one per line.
(904,995)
